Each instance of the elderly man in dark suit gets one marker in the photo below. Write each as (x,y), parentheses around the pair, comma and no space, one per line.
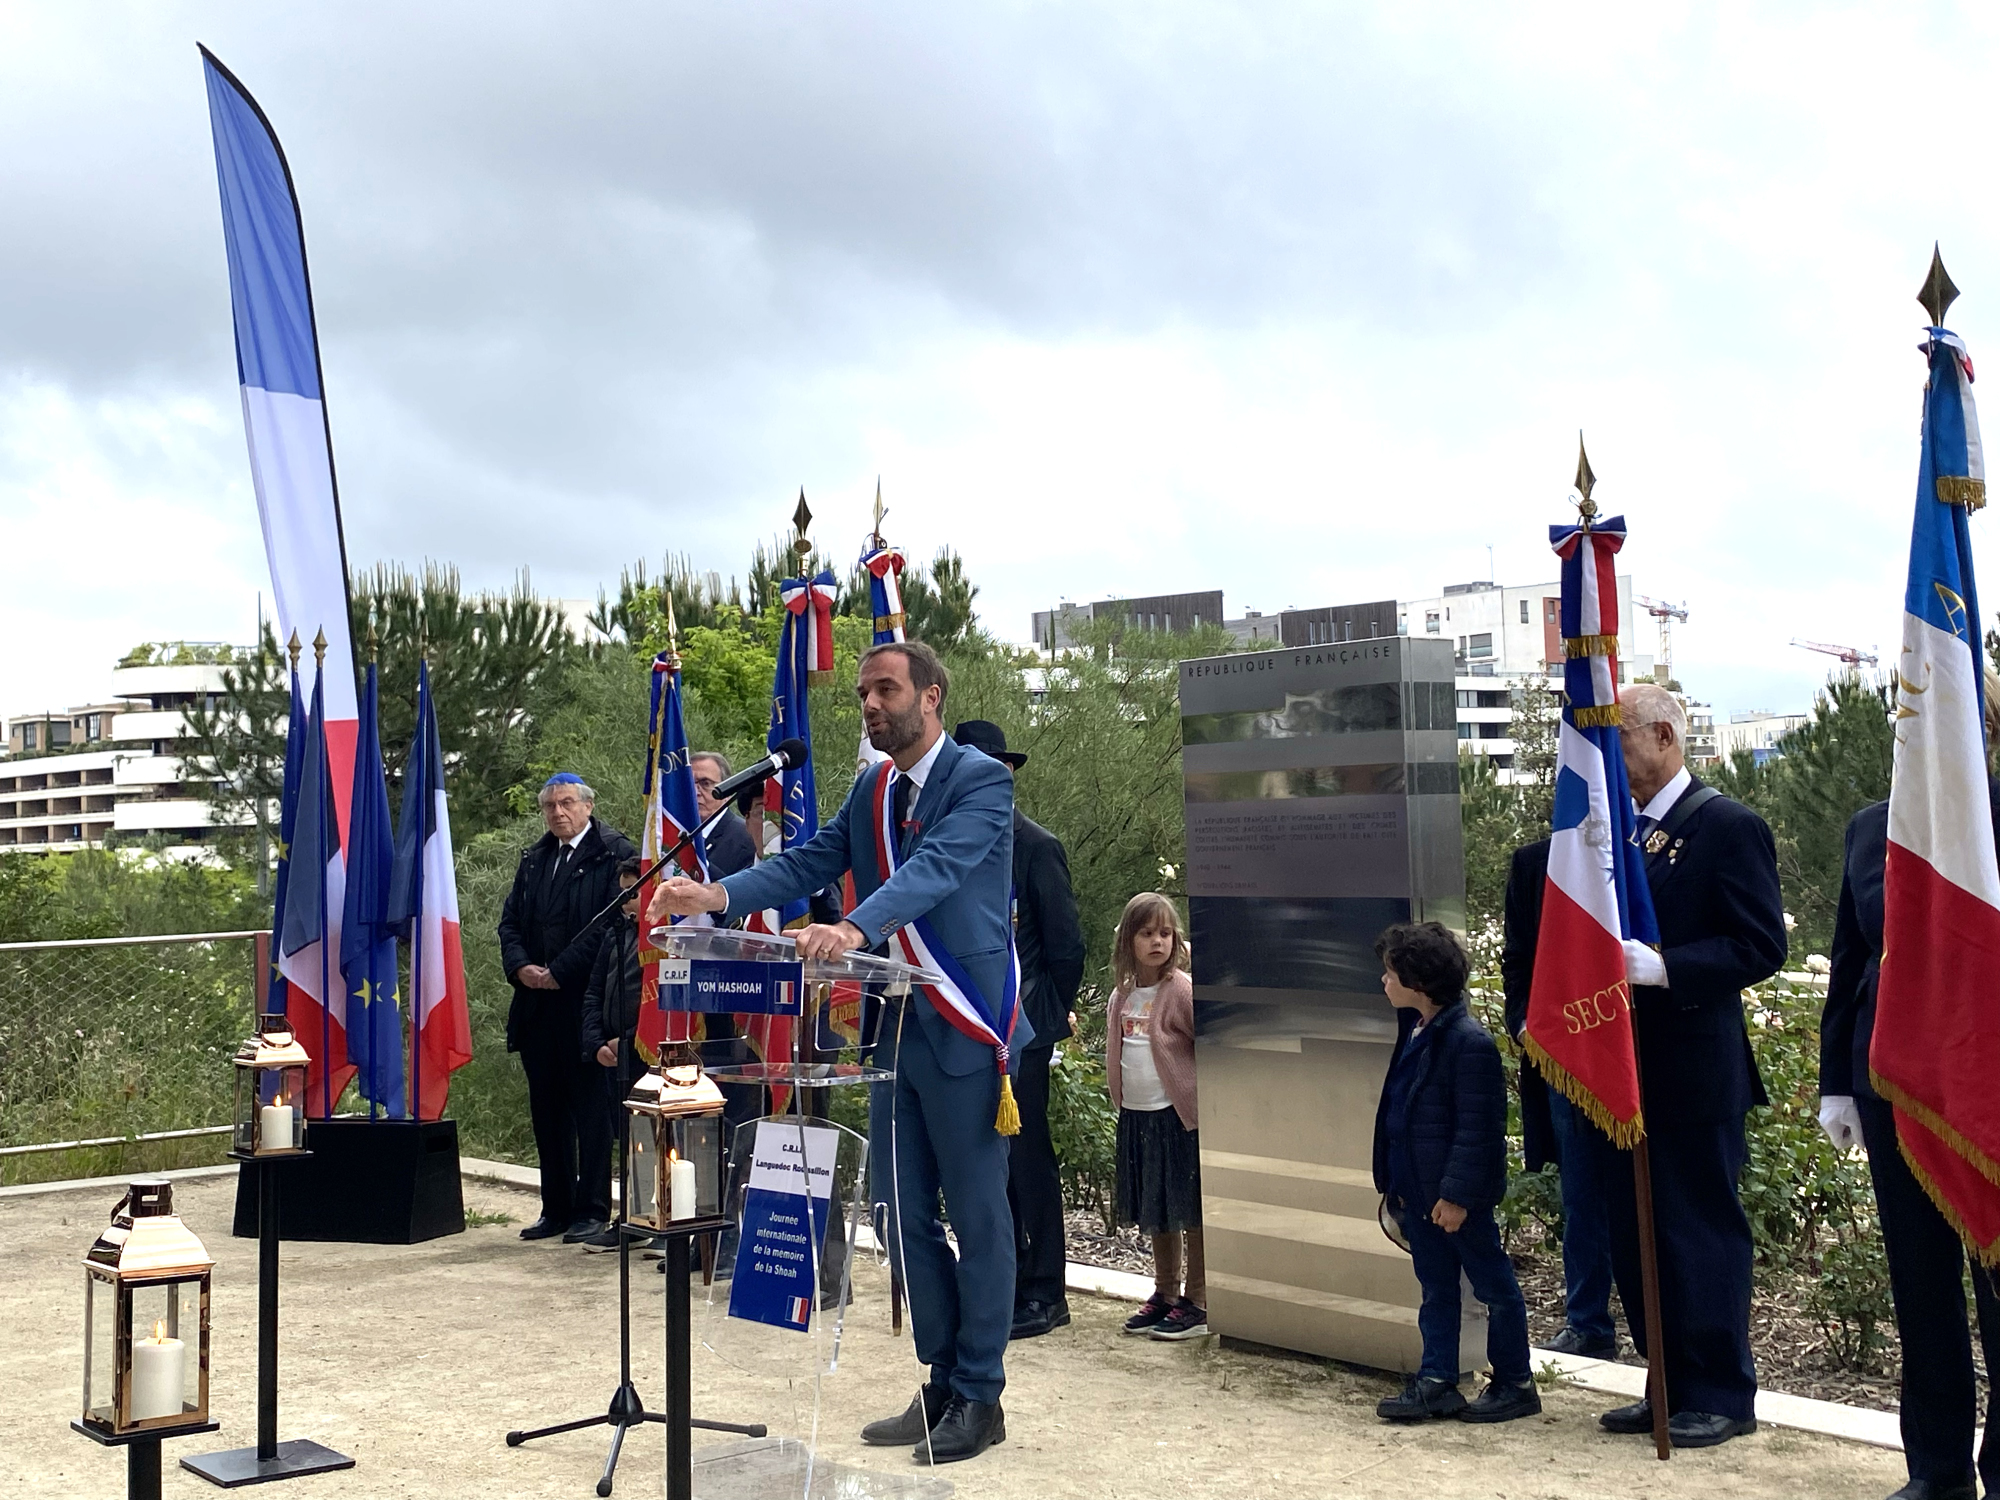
(548,946)
(1940,1402)
(1048,940)
(1713,870)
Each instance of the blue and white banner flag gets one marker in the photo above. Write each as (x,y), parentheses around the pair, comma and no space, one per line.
(785,1209)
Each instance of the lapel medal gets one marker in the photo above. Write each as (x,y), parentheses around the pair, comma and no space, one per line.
(1656,841)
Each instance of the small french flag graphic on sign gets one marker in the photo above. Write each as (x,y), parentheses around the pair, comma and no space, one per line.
(801,1310)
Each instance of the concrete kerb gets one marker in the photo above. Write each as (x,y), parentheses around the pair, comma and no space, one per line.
(1880,1429)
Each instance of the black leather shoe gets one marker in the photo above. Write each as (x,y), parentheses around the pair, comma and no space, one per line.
(584,1229)
(966,1430)
(1569,1341)
(912,1425)
(1421,1399)
(1037,1318)
(1704,1429)
(1503,1403)
(542,1229)
(1925,1489)
(1638,1417)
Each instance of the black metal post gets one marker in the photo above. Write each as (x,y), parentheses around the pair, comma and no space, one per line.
(142,1470)
(680,1373)
(267,1311)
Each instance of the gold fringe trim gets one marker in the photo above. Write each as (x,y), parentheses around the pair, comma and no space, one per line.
(1590,645)
(1008,1121)
(1601,716)
(1957,489)
(1987,1255)
(890,622)
(1624,1134)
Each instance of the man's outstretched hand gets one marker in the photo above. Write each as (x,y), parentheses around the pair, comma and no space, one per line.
(831,941)
(681,897)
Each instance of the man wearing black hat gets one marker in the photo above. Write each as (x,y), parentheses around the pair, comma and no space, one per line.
(1048,941)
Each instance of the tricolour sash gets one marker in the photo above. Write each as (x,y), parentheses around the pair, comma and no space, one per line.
(957,999)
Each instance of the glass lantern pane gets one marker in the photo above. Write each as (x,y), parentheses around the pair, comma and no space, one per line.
(166,1348)
(245,1138)
(100,1319)
(699,1140)
(641,1175)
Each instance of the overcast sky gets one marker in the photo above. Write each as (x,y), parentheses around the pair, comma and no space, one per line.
(1307,304)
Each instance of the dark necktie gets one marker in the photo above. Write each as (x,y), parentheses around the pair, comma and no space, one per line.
(561,864)
(901,794)
(1646,827)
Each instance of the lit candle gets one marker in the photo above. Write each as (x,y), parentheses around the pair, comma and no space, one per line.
(275,1126)
(680,1187)
(158,1375)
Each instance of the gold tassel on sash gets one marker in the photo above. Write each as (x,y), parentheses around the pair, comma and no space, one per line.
(1009,1119)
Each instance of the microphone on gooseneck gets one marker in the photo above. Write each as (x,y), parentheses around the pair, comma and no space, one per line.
(789,755)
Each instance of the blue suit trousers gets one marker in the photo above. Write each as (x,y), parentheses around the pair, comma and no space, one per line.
(944,1147)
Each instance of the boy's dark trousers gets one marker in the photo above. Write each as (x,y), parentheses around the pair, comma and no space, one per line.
(1475,1248)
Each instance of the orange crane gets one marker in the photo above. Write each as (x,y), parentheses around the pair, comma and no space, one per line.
(1853,656)
(1666,614)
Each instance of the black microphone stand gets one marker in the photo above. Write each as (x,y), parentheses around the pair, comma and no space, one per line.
(628,1408)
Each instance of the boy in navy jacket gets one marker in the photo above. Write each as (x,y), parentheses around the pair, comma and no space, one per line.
(1441,1159)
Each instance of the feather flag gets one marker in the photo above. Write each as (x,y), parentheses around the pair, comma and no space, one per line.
(284,407)
(1579,1029)
(423,902)
(1936,1045)
(672,810)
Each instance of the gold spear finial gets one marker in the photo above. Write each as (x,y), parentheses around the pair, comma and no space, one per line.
(1585,482)
(319,649)
(801,519)
(293,647)
(374,640)
(880,511)
(1937,293)
(673,625)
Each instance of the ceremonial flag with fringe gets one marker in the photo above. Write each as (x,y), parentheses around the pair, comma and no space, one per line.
(309,939)
(423,902)
(1579,1029)
(368,959)
(672,809)
(277,998)
(884,566)
(1935,1052)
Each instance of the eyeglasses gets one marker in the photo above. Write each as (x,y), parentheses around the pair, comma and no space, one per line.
(706,783)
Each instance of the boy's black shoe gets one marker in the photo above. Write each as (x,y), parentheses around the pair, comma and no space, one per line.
(1034,1319)
(598,1244)
(1705,1429)
(1151,1314)
(1503,1403)
(966,1430)
(542,1229)
(1421,1399)
(1569,1341)
(912,1426)
(1638,1417)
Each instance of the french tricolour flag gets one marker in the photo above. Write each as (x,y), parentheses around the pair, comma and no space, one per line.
(800,1311)
(1579,1029)
(284,416)
(1936,1048)
(423,899)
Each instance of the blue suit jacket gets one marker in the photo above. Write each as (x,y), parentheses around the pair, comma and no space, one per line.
(957,870)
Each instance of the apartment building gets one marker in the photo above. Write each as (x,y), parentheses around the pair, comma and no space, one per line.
(71,780)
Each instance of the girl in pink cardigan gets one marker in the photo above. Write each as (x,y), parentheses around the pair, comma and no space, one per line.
(1149,1066)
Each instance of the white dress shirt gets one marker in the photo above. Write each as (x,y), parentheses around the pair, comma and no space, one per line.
(1665,798)
(921,772)
(1642,964)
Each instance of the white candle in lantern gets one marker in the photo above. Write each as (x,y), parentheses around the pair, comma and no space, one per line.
(680,1188)
(159,1375)
(275,1126)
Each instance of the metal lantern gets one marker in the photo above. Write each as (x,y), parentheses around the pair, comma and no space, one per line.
(270,1091)
(674,1159)
(145,1318)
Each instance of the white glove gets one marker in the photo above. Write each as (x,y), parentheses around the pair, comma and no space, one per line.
(1643,965)
(1840,1120)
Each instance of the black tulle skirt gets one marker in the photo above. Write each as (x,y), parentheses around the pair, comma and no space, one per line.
(1159,1171)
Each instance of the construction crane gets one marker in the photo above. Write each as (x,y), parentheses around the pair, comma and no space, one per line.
(1853,656)
(1666,614)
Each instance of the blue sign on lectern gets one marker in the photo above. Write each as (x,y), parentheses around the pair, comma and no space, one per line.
(731,985)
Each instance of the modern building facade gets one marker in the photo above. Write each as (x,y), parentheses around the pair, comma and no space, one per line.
(117,771)
(1170,612)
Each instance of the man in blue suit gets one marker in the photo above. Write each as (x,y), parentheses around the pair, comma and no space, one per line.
(953,812)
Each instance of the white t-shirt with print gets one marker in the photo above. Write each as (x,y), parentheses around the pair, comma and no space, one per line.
(1138,1078)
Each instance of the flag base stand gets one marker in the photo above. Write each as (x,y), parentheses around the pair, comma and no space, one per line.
(269,1459)
(367,1182)
(628,1408)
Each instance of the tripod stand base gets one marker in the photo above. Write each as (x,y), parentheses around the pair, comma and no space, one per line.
(627,1411)
(234,1467)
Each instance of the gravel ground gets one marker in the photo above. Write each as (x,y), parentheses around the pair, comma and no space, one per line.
(416,1360)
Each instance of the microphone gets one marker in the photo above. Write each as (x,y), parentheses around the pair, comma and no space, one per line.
(789,753)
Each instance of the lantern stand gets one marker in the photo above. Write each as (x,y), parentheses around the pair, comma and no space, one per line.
(142,1453)
(265,1143)
(628,1407)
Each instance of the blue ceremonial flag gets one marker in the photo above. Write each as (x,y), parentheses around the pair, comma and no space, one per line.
(276,999)
(805,649)
(368,933)
(309,939)
(672,809)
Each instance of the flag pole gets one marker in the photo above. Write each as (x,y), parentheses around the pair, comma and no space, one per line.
(325,936)
(1642,1162)
(423,813)
(374,695)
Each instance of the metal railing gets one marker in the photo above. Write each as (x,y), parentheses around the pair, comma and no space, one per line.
(115,1052)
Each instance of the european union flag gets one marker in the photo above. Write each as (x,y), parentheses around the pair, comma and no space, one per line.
(367,934)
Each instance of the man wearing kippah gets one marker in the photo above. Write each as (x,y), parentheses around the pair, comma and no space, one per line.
(548,943)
